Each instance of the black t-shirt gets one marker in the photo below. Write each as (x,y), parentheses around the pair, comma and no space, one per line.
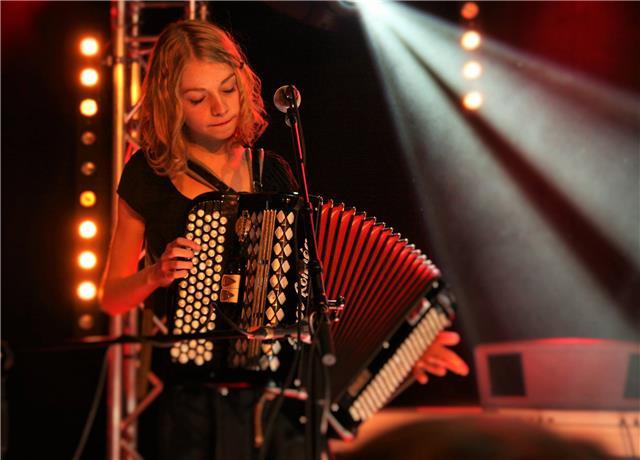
(163,208)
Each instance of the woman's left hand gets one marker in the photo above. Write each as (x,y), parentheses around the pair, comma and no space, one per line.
(438,358)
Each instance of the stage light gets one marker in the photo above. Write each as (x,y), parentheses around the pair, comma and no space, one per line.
(87,229)
(88,168)
(87,260)
(89,77)
(86,290)
(372,8)
(89,46)
(88,107)
(472,70)
(88,138)
(470,40)
(469,10)
(87,198)
(472,100)
(86,321)
(350,5)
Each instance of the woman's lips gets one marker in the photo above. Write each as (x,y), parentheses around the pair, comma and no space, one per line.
(223,123)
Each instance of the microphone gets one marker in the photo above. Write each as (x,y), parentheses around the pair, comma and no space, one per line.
(282,98)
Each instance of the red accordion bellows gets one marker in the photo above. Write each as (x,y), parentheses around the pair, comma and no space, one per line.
(379,275)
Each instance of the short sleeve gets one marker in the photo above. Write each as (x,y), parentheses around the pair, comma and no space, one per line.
(135,184)
(277,175)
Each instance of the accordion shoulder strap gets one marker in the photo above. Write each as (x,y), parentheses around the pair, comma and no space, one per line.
(202,174)
(257,165)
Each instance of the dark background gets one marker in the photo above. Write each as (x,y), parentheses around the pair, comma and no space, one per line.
(353,157)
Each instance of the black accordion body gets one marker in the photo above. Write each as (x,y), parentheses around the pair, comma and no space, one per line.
(252,272)
(245,274)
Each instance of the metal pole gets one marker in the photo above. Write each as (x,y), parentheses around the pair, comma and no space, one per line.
(131,351)
(114,390)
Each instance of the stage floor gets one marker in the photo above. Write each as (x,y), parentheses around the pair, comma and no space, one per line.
(618,433)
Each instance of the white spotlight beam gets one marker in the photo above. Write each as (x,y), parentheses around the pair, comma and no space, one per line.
(419,62)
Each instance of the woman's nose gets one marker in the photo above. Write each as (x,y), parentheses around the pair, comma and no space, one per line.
(218,106)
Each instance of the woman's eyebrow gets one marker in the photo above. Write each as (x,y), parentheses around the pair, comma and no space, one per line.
(226,79)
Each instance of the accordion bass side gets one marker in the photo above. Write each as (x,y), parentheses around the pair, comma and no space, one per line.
(252,271)
(395,306)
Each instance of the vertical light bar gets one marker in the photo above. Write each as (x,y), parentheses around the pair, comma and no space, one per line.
(470,41)
(191,9)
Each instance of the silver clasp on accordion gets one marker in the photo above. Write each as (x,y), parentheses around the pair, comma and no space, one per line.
(335,308)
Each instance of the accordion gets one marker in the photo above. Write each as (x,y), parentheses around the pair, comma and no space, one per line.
(252,272)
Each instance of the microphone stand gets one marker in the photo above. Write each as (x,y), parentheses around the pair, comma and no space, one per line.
(319,309)
(319,304)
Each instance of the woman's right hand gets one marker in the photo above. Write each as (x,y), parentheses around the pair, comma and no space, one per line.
(175,261)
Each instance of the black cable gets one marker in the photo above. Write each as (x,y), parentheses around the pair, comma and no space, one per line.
(275,408)
(310,410)
(629,437)
(327,401)
(319,380)
(310,383)
(94,408)
(231,323)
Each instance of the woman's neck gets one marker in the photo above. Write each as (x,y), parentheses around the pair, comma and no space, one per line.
(222,158)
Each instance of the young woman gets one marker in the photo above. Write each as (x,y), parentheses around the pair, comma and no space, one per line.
(201,102)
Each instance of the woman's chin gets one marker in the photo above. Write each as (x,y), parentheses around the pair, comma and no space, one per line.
(212,141)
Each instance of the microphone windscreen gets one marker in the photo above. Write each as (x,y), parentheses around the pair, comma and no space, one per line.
(282,98)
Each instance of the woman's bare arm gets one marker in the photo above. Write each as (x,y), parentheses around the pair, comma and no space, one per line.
(123,286)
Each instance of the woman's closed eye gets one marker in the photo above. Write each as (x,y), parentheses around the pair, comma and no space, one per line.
(196,101)
(229,90)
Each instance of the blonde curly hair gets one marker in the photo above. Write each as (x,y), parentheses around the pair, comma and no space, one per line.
(162,121)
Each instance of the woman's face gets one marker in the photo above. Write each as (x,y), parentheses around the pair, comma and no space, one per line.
(210,101)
